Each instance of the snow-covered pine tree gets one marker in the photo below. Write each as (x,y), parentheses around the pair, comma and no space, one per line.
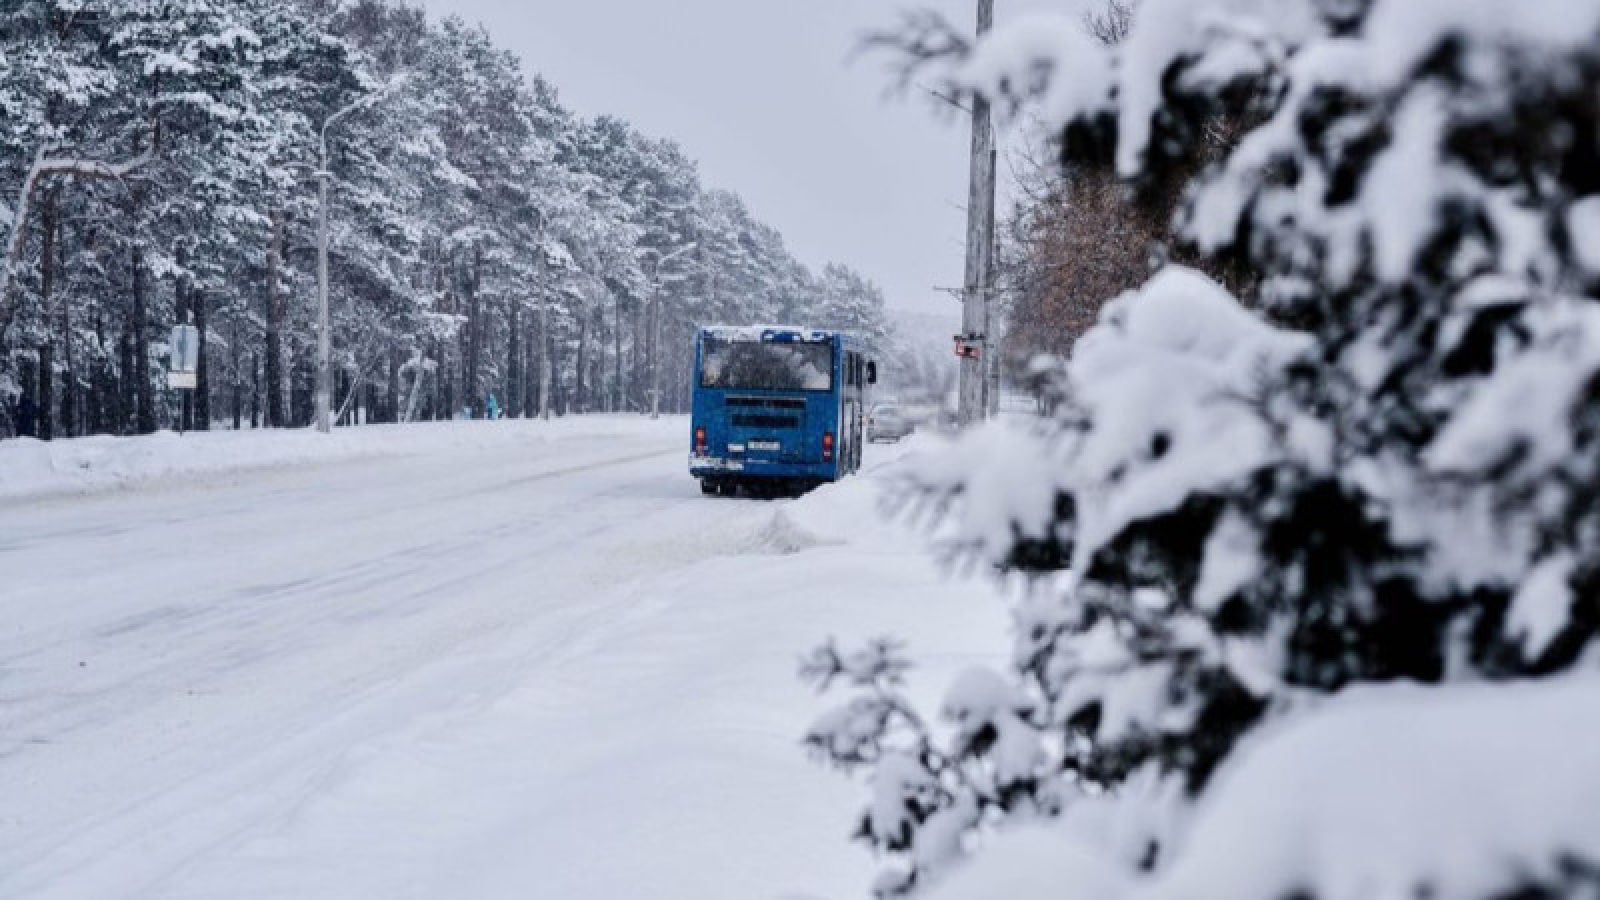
(851,302)
(1379,466)
(54,81)
(158,161)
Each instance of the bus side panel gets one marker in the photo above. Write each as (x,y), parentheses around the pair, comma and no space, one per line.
(823,418)
(851,426)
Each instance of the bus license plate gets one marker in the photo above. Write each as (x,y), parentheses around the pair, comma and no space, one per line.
(765,445)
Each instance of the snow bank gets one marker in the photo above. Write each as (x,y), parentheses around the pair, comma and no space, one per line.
(1036,863)
(1472,790)
(1409,791)
(31,468)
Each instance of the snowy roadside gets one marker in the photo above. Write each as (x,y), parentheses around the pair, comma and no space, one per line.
(31,468)
(661,756)
(478,673)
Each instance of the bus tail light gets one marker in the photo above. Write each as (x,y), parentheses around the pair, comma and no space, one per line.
(827,446)
(700,440)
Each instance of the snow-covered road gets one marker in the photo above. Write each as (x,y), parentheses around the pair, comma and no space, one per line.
(503,669)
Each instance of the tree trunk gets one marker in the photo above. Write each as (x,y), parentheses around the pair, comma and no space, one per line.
(74,421)
(514,361)
(302,392)
(238,382)
(560,392)
(27,411)
(391,406)
(141,350)
(419,371)
(127,397)
(470,387)
(44,418)
(580,393)
(107,417)
(636,385)
(50,218)
(275,316)
(255,392)
(546,359)
(451,405)
(530,372)
(181,292)
(616,354)
(202,391)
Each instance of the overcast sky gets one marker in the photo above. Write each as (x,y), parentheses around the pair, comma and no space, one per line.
(764,94)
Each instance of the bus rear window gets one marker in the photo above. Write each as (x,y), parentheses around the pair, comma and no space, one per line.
(753,365)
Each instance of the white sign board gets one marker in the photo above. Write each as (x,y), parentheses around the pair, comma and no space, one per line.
(184,347)
(183,381)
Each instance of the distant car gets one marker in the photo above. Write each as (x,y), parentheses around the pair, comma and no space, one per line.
(888,423)
(921,414)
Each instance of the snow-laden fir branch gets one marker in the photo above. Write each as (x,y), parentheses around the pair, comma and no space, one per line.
(44,167)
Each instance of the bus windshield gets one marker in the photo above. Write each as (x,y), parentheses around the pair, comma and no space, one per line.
(800,366)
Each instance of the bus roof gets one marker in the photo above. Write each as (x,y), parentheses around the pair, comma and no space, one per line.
(783,333)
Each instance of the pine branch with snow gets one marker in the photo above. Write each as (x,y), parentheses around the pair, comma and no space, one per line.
(1377,465)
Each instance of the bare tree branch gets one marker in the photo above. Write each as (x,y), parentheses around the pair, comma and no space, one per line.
(922,38)
(1111,23)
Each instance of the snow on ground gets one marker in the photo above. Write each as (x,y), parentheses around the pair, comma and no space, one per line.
(1397,790)
(1468,789)
(30,468)
(532,664)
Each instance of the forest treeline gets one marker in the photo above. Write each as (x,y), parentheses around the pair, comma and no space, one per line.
(159,164)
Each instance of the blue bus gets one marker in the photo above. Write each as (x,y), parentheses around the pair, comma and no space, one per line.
(777,408)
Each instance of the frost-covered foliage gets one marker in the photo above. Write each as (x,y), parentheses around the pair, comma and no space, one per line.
(1380,465)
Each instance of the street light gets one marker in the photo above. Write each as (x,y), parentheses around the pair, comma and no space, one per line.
(655,325)
(324,392)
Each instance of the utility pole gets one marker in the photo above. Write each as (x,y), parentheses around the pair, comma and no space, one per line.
(546,363)
(980,250)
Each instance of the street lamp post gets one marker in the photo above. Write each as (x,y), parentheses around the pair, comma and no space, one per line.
(324,331)
(546,364)
(655,326)
(324,389)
